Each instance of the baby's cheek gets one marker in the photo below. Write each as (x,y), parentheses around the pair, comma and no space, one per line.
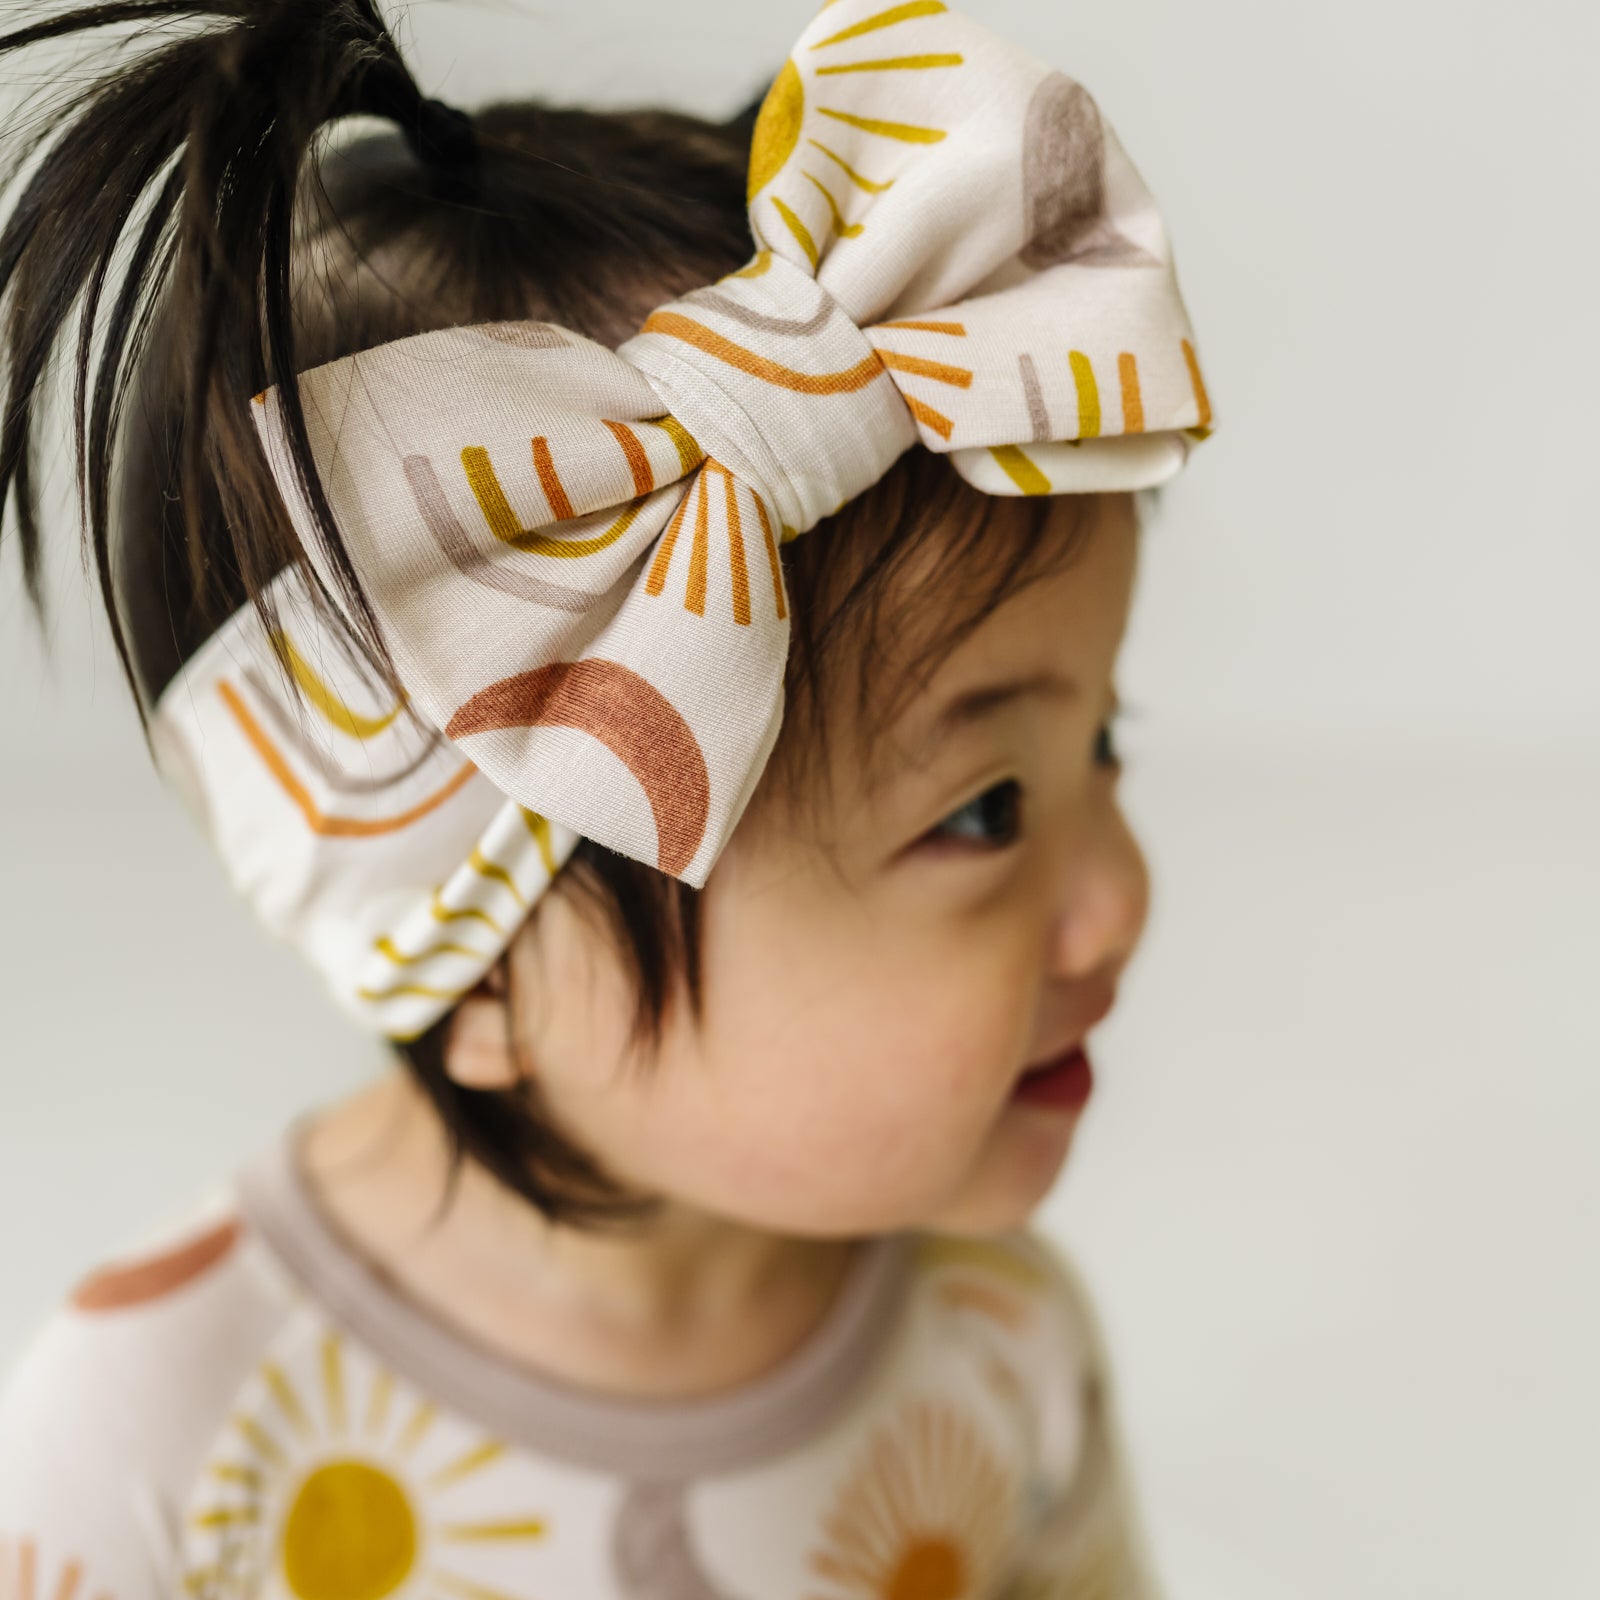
(929,1049)
(841,1131)
(967,1018)
(854,1067)
(895,1108)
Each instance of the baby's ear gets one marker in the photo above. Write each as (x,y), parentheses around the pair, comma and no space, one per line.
(478,1052)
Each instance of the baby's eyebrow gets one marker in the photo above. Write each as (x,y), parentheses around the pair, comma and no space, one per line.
(972,705)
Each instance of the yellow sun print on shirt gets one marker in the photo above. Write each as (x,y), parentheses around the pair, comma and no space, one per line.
(348,1487)
(824,147)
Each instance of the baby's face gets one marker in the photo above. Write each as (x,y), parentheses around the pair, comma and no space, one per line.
(880,970)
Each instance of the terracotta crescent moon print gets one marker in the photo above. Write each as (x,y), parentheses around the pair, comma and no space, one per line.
(137,1283)
(1064,156)
(631,718)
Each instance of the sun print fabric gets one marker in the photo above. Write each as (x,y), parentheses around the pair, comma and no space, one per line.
(243,1408)
(359,835)
(573,552)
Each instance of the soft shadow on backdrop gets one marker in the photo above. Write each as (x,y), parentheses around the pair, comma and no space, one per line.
(1340,1190)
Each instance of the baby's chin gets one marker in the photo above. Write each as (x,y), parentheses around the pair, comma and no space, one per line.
(992,1187)
(1014,1172)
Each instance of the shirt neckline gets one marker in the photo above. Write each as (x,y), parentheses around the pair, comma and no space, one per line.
(636,1438)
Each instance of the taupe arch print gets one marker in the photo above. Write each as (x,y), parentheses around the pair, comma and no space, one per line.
(1033,393)
(289,729)
(524,335)
(761,320)
(653,1551)
(476,564)
(1064,181)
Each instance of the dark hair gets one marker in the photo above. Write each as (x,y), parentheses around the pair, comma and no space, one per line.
(258,246)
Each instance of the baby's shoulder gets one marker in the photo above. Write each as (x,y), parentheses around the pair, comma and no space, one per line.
(1011,1312)
(1008,1320)
(117,1395)
(1022,1281)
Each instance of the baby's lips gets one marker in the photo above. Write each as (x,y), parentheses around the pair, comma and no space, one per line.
(1096,1013)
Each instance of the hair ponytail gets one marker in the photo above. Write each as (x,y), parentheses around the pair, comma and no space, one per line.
(166,196)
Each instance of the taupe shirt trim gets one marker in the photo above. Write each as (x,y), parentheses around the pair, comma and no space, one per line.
(633,1438)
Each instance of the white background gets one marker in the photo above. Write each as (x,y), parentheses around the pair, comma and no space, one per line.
(1339,1195)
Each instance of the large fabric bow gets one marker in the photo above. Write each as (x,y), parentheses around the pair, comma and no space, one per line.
(573,552)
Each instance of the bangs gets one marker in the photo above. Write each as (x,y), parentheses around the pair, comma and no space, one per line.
(883,591)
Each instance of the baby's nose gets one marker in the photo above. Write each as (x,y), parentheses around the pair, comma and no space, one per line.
(1105,898)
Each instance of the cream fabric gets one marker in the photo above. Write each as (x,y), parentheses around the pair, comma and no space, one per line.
(573,553)
(243,1409)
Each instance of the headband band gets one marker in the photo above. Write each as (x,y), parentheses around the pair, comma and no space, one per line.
(573,552)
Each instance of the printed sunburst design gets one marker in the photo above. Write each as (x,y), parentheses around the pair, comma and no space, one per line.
(24,1576)
(928,1514)
(337,1484)
(797,153)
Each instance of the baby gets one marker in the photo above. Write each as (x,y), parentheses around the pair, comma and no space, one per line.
(715,804)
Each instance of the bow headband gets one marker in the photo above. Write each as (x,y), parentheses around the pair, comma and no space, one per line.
(573,553)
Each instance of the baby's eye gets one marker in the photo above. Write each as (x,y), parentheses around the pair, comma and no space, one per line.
(994,818)
(1106,753)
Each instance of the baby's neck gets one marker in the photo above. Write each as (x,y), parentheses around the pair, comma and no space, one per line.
(684,1308)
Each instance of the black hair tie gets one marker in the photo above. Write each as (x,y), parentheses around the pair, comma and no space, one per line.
(441,135)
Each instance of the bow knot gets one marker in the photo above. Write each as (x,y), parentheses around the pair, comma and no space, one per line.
(774,381)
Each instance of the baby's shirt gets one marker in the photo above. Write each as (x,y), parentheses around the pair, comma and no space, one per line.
(248,1408)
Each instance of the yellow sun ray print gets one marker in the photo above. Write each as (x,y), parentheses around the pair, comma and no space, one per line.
(420,955)
(927,1514)
(333,1481)
(826,146)
(336,711)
